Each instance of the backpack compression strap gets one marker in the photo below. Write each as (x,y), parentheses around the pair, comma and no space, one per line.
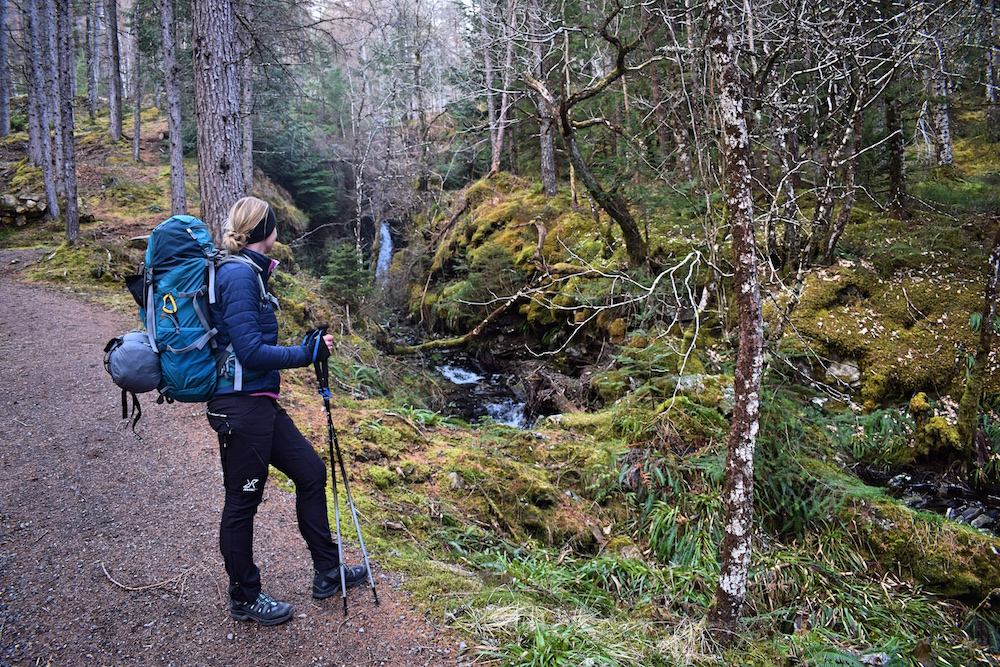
(136,410)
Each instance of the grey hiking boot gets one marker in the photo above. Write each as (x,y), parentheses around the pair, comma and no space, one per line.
(265,610)
(327,583)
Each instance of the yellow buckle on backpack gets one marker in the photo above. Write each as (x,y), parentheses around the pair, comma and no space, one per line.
(169,300)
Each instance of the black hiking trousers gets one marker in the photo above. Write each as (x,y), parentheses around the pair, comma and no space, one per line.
(254,432)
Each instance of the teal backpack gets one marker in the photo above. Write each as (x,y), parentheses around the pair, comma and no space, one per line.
(173,288)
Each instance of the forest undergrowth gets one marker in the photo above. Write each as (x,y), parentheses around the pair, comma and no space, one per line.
(592,538)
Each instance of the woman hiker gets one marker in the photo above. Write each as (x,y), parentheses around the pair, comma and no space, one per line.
(254,430)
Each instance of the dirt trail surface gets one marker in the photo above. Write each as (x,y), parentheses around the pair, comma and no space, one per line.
(108,545)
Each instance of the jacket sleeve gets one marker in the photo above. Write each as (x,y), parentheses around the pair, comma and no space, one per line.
(239,297)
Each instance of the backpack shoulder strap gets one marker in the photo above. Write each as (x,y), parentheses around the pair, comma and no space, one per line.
(228,258)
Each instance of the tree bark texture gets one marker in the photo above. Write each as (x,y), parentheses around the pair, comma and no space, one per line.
(171,75)
(34,108)
(485,19)
(41,103)
(246,102)
(136,85)
(93,55)
(67,73)
(217,106)
(4,73)
(546,122)
(734,555)
(656,89)
(850,191)
(114,70)
(942,123)
(993,84)
(52,81)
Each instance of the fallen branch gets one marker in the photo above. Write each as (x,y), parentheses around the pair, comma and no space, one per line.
(445,343)
(145,588)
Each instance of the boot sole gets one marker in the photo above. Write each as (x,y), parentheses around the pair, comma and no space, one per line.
(334,591)
(268,621)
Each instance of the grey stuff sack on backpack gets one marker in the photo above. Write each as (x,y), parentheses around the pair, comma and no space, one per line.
(134,366)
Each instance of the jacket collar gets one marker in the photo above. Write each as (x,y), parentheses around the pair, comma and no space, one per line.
(266,264)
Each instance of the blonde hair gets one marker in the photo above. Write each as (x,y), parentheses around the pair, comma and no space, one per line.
(243,217)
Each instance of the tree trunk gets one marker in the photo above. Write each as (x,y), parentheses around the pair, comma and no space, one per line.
(850,183)
(659,108)
(114,70)
(34,111)
(942,124)
(52,81)
(4,74)
(993,85)
(486,18)
(178,194)
(217,107)
(136,84)
(496,154)
(611,202)
(734,554)
(93,56)
(895,145)
(246,110)
(546,123)
(423,169)
(38,38)
(67,73)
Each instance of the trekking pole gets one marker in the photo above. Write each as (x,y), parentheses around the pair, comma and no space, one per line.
(325,393)
(323,378)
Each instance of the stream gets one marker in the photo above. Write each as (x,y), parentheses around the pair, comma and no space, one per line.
(473,393)
(931,492)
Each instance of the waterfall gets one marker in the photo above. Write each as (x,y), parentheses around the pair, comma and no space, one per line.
(384,251)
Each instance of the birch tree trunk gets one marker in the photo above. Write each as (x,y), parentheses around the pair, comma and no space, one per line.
(942,124)
(67,73)
(217,107)
(734,554)
(41,103)
(114,70)
(178,194)
(4,73)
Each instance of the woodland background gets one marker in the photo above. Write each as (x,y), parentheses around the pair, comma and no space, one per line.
(688,232)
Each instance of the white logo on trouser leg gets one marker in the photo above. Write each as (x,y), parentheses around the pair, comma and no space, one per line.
(251,485)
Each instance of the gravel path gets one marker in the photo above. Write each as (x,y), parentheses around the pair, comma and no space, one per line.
(108,544)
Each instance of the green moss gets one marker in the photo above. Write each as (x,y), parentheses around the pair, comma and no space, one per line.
(902,334)
(951,559)
(27,178)
(382,477)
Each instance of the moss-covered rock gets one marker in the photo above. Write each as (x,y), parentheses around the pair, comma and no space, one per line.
(947,557)
(933,435)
